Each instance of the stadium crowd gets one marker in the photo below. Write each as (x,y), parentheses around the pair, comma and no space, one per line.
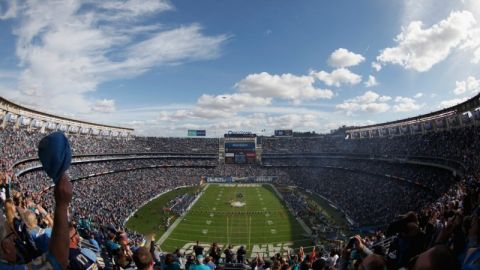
(20,143)
(440,229)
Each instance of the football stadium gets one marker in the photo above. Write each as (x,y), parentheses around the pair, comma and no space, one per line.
(117,152)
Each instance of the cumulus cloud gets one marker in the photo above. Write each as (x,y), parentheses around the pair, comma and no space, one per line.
(451,102)
(67,48)
(368,102)
(418,95)
(104,106)
(234,101)
(216,107)
(285,86)
(338,77)
(384,98)
(341,58)
(376,66)
(406,104)
(173,116)
(420,48)
(471,86)
(294,121)
(371,81)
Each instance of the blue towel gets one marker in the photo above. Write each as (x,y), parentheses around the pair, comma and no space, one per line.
(55,154)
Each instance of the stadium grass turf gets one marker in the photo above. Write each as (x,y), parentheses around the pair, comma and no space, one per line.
(264,219)
(150,219)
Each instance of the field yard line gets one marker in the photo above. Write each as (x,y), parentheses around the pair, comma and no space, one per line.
(302,224)
(170,229)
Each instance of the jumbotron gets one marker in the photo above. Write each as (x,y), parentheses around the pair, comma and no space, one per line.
(401,194)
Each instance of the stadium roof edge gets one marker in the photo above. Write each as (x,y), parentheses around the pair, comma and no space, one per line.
(464,106)
(2,99)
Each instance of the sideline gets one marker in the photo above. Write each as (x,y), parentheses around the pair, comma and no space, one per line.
(300,221)
(149,200)
(172,227)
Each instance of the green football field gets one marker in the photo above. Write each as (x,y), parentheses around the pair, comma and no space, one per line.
(238,214)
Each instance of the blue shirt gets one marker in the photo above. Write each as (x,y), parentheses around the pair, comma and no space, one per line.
(198,267)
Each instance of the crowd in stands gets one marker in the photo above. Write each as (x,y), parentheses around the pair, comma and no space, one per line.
(435,178)
(37,180)
(440,229)
(20,143)
(463,144)
(369,200)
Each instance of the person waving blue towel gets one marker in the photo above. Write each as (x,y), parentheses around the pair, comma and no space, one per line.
(55,154)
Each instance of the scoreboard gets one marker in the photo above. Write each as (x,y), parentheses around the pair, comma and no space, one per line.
(240,148)
(283,133)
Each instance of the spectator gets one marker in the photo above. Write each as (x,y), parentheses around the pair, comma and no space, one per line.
(170,263)
(241,252)
(143,259)
(198,264)
(80,258)
(228,254)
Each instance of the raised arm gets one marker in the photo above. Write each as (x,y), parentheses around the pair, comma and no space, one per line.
(59,243)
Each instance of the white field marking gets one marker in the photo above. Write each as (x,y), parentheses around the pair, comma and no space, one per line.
(269,222)
(209,222)
(273,231)
(204,231)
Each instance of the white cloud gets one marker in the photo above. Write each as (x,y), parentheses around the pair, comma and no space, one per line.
(471,85)
(371,81)
(420,48)
(285,86)
(177,45)
(104,106)
(418,95)
(7,74)
(8,9)
(338,77)
(406,104)
(376,66)
(368,102)
(451,102)
(216,107)
(368,97)
(375,107)
(473,43)
(294,121)
(341,58)
(384,98)
(174,116)
(134,8)
(67,48)
(234,101)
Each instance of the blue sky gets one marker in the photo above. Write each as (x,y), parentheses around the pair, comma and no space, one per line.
(163,67)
